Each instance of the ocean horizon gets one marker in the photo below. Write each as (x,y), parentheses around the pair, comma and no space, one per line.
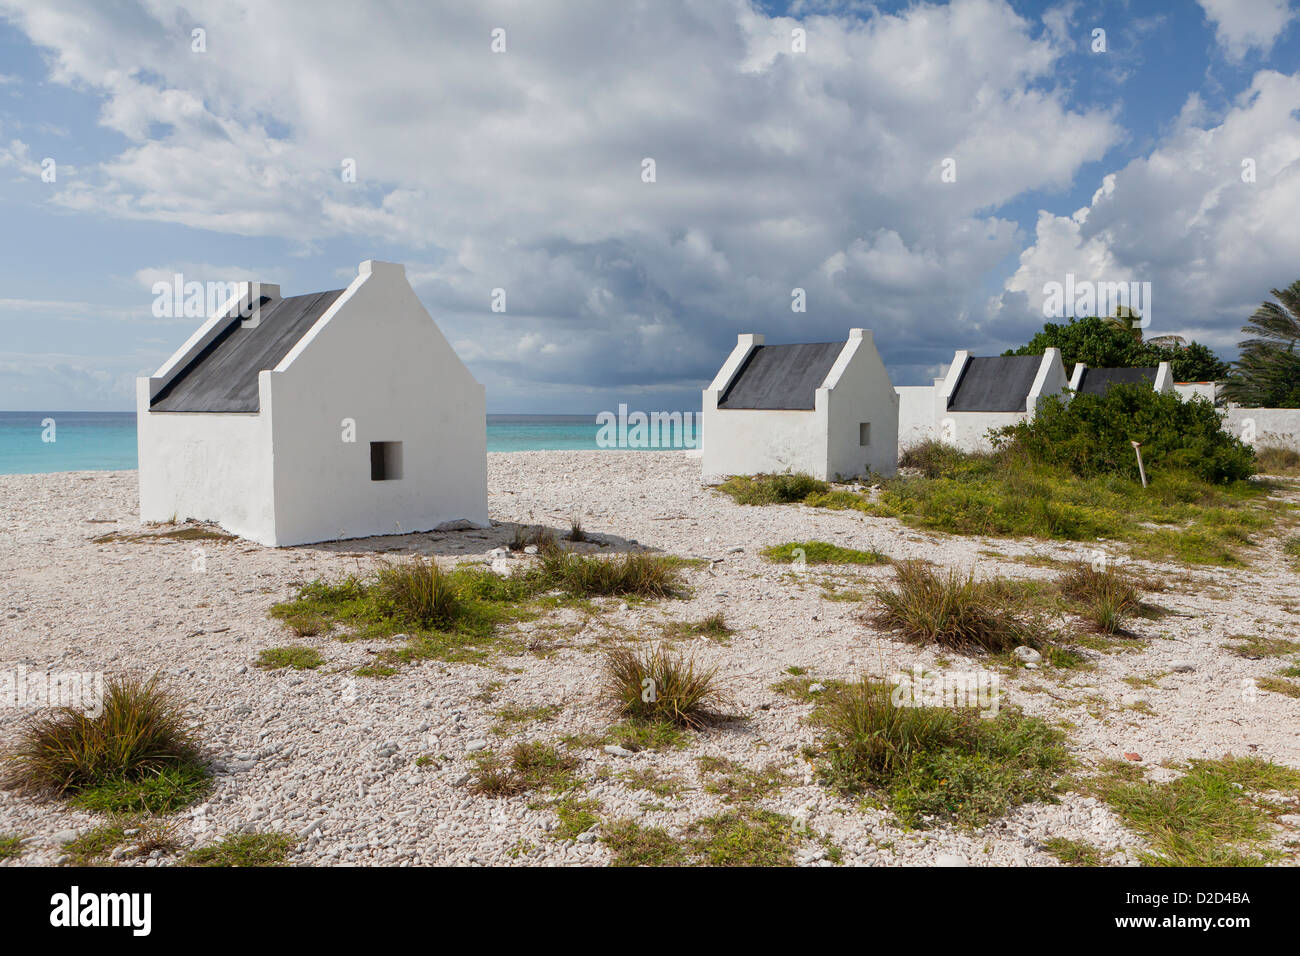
(43,442)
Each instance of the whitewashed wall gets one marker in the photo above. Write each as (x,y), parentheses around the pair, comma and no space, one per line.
(205,467)
(1264,426)
(1186,390)
(968,431)
(915,414)
(377,358)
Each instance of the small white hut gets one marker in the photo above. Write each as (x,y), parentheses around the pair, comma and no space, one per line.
(1096,381)
(316,417)
(976,395)
(824,409)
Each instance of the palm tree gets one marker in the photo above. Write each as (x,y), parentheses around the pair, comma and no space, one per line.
(1268,372)
(1126,320)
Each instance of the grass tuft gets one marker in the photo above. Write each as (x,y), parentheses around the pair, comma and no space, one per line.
(1213,815)
(1006,492)
(529,766)
(820,552)
(451,615)
(420,592)
(936,763)
(714,627)
(140,753)
(1073,852)
(772,489)
(245,849)
(1276,460)
(658,686)
(11,846)
(635,845)
(1106,598)
(581,575)
(299,658)
(949,609)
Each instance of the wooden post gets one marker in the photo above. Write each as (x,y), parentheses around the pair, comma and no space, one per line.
(1137,447)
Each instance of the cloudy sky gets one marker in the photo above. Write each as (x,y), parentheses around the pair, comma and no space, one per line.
(776,168)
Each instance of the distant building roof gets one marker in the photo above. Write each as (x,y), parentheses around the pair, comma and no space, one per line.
(1096,381)
(781,376)
(223,376)
(995,384)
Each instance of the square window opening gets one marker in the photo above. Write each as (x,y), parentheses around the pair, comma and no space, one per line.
(385,460)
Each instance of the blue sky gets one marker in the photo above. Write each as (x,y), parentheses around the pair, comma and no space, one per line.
(776,169)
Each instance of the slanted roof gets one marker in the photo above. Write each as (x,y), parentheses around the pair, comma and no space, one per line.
(1096,381)
(781,376)
(223,376)
(997,384)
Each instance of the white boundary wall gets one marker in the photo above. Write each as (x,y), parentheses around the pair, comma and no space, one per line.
(1264,426)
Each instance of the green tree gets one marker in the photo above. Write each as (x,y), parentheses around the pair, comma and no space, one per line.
(1267,374)
(1116,342)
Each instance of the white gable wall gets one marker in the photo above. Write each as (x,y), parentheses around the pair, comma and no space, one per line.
(858,390)
(1164,383)
(377,358)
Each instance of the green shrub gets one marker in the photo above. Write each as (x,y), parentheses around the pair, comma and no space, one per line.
(139,753)
(1091,434)
(1103,342)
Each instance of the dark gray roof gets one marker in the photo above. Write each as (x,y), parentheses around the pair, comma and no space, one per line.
(781,376)
(223,376)
(999,384)
(1095,381)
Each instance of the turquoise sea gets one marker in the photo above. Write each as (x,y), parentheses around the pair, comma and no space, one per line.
(105,441)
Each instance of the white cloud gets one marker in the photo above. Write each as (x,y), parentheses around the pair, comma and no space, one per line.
(1244,25)
(1182,218)
(522,170)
